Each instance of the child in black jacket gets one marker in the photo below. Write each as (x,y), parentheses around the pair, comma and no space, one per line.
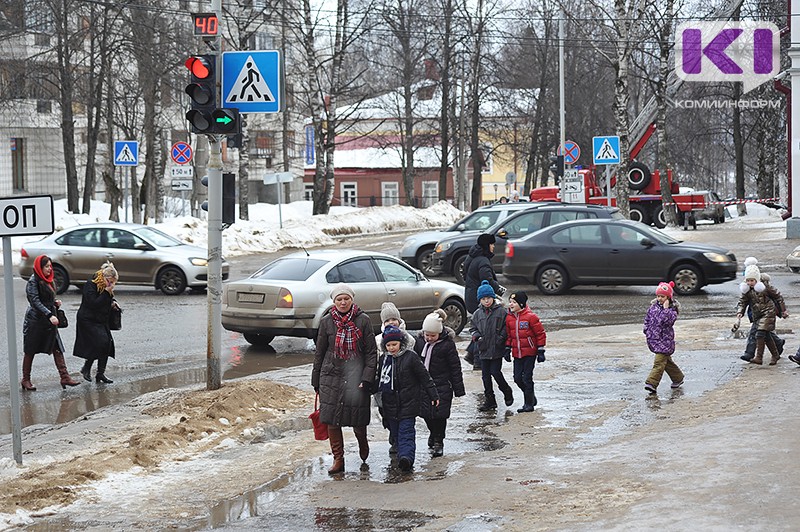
(402,377)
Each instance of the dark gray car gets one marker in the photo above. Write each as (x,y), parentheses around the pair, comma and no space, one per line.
(451,252)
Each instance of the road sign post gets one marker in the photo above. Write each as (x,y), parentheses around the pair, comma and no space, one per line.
(279,179)
(19,216)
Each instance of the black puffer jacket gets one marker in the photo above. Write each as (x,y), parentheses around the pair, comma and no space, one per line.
(477,268)
(411,385)
(445,370)
(39,335)
(341,402)
(93,338)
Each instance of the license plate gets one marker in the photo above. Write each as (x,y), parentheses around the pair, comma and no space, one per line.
(244,297)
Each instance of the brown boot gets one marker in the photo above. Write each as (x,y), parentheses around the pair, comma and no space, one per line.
(61,365)
(337,448)
(27,363)
(759,358)
(773,350)
(363,442)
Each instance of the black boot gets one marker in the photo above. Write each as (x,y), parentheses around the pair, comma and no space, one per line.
(489,402)
(86,370)
(530,402)
(508,395)
(101,371)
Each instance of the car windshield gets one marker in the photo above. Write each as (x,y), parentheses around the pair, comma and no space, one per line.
(658,235)
(158,238)
(478,220)
(289,269)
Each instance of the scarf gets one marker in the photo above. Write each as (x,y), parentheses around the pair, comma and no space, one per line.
(37,268)
(427,351)
(347,334)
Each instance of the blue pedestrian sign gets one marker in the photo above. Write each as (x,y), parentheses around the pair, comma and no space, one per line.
(252,81)
(126,153)
(605,150)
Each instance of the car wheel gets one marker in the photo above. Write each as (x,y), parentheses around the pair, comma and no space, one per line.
(795,270)
(688,279)
(171,281)
(552,280)
(425,262)
(458,269)
(638,176)
(259,340)
(60,279)
(456,315)
(659,217)
(639,214)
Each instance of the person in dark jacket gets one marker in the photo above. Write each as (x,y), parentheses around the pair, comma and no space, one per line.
(437,348)
(93,340)
(344,373)
(488,330)
(402,379)
(478,268)
(40,327)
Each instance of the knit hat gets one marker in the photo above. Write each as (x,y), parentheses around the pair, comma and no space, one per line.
(392,334)
(389,311)
(665,289)
(520,297)
(340,289)
(752,272)
(434,322)
(485,290)
(485,239)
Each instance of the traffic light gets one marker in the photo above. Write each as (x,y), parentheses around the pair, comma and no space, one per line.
(228,198)
(557,166)
(202,89)
(226,121)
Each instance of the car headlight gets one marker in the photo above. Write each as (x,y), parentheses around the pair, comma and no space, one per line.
(440,248)
(199,262)
(795,253)
(716,257)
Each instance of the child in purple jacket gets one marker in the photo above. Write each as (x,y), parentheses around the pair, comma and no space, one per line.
(658,328)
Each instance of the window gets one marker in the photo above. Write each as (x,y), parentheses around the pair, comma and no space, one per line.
(394,272)
(556,217)
(308,191)
(291,145)
(430,193)
(623,235)
(119,239)
(486,152)
(81,237)
(264,143)
(525,224)
(390,194)
(41,39)
(480,220)
(294,269)
(349,194)
(357,271)
(578,234)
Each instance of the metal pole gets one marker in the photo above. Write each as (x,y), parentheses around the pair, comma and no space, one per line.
(214,342)
(561,105)
(11,328)
(608,183)
(280,201)
(793,223)
(126,193)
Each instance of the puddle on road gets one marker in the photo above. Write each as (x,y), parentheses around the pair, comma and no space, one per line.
(54,406)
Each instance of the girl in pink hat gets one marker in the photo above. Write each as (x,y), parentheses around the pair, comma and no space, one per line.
(658,328)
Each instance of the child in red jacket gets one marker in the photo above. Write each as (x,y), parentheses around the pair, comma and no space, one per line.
(526,342)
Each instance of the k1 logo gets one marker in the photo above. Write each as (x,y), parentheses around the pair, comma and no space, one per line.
(747,51)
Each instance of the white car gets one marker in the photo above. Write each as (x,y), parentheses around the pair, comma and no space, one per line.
(290,295)
(793,260)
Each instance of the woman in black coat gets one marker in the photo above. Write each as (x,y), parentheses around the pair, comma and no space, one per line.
(93,340)
(436,345)
(40,327)
(344,373)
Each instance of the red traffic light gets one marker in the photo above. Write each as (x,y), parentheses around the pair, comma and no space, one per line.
(200,67)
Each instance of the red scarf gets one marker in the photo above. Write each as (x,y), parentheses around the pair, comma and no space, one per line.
(37,268)
(347,334)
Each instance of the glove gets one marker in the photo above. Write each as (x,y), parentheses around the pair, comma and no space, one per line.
(507,354)
(476,337)
(540,355)
(501,290)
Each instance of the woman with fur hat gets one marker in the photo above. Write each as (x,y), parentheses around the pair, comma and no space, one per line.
(658,329)
(478,268)
(750,348)
(93,339)
(40,328)
(526,341)
(436,345)
(765,302)
(403,378)
(344,373)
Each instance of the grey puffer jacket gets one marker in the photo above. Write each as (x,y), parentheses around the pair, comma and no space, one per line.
(489,324)
(342,402)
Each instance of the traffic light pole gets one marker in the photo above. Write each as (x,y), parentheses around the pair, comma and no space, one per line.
(214,342)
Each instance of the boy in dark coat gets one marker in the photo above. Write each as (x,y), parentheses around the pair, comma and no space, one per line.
(489,331)
(402,378)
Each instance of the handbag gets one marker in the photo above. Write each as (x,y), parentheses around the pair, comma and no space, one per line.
(62,319)
(320,428)
(115,319)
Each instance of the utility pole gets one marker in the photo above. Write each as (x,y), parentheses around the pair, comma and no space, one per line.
(793,223)
(561,106)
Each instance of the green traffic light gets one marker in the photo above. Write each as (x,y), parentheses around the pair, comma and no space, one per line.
(224,120)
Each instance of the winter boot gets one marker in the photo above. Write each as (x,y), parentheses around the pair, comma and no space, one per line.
(508,395)
(86,370)
(101,371)
(529,402)
(337,448)
(438,448)
(773,350)
(27,363)
(363,442)
(66,380)
(489,402)
(430,441)
(759,358)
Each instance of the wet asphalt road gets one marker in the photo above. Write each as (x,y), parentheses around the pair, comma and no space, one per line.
(163,341)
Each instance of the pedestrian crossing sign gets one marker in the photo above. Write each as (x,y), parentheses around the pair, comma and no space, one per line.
(126,153)
(252,81)
(605,150)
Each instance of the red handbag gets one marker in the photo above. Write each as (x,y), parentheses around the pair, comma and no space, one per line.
(320,428)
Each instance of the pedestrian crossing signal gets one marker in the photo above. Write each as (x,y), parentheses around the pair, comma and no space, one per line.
(202,90)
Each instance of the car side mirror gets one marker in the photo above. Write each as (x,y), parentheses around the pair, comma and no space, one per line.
(461,227)
(646,242)
(420,276)
(142,246)
(502,233)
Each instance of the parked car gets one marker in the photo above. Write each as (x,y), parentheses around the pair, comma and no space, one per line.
(417,249)
(714,209)
(614,252)
(793,260)
(142,255)
(451,252)
(289,296)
